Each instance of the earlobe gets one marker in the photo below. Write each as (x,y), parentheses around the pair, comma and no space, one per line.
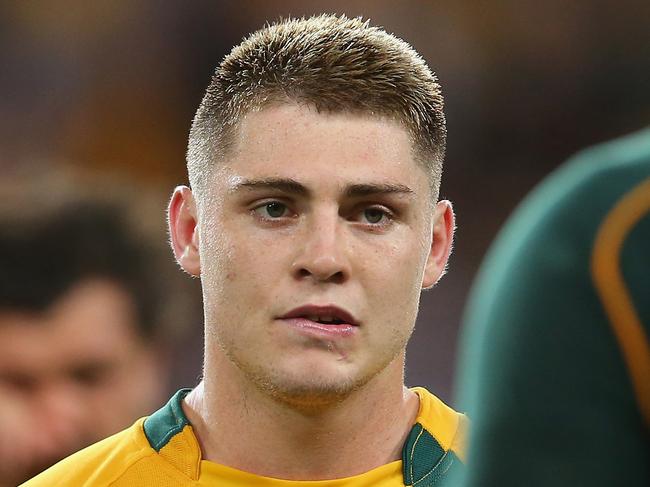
(183,230)
(441,243)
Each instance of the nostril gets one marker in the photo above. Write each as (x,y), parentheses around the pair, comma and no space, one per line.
(338,278)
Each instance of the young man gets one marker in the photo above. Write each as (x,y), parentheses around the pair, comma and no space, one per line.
(313,224)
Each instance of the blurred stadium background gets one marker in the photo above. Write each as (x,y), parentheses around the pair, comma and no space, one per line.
(113,85)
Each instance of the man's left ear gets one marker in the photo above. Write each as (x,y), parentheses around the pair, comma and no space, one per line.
(441,244)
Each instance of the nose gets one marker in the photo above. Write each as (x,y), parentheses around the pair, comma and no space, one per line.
(60,420)
(323,256)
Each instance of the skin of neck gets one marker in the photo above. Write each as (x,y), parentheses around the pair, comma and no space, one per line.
(243,427)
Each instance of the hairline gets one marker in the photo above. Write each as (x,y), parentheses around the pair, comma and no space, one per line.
(216,155)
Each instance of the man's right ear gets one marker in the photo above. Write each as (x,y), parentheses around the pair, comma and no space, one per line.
(183,230)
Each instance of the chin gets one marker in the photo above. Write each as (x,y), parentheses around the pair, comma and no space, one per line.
(313,394)
(312,388)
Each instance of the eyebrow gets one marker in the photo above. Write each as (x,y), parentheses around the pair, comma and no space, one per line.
(291,186)
(286,185)
(380,188)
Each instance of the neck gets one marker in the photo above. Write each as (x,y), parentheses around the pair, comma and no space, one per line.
(244,428)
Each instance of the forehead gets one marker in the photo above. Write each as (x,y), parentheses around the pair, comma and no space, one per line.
(297,141)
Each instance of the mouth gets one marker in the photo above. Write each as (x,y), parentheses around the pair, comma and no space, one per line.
(324,315)
(323,322)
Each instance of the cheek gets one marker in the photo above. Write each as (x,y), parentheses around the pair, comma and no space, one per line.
(397,271)
(400,261)
(239,270)
(219,256)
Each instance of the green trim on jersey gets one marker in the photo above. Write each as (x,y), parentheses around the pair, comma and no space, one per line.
(424,461)
(162,450)
(168,421)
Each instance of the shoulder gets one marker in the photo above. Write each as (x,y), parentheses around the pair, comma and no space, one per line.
(99,464)
(538,348)
(436,443)
(540,262)
(141,455)
(574,199)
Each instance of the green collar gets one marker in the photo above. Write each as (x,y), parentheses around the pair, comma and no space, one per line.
(424,461)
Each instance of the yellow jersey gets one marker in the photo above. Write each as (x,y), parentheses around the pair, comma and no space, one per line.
(162,450)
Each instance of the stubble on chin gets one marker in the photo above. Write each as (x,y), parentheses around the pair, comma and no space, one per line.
(311,386)
(305,392)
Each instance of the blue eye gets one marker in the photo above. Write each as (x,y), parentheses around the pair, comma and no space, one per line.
(374,215)
(271,210)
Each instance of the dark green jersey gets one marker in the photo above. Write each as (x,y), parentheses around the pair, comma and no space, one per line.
(555,365)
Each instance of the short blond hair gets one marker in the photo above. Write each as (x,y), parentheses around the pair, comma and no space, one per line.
(332,63)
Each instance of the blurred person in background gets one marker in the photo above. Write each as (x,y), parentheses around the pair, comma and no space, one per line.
(80,331)
(555,369)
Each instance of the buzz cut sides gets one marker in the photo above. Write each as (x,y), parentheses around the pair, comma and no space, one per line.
(334,64)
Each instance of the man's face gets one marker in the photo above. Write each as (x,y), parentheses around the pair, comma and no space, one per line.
(314,236)
(71,375)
